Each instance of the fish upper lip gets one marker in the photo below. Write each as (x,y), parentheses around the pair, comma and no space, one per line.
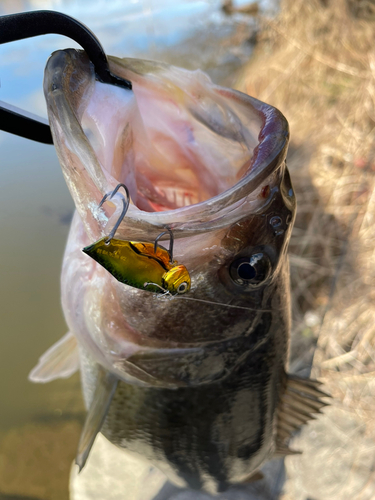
(204,216)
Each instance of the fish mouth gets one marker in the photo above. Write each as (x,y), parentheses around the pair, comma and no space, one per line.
(191,156)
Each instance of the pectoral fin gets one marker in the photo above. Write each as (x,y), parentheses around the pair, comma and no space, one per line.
(60,361)
(105,389)
(255,476)
(300,400)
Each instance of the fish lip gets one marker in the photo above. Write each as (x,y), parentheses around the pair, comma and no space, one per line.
(205,216)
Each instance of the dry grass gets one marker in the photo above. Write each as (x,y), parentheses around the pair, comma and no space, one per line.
(316,63)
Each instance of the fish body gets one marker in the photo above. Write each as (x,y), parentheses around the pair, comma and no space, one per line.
(197,383)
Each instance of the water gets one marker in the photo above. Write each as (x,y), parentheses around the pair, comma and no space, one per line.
(40,424)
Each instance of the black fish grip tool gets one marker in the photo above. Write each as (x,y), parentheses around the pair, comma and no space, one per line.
(43,22)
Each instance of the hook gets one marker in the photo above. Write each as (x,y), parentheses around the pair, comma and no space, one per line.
(125,203)
(171,241)
(42,22)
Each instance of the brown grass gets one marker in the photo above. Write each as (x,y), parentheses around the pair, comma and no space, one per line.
(316,63)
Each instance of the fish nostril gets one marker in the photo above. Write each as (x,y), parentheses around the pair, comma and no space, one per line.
(276,221)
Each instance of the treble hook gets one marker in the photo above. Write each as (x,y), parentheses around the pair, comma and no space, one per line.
(43,22)
(171,241)
(125,203)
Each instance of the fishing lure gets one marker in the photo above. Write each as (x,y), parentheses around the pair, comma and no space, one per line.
(143,265)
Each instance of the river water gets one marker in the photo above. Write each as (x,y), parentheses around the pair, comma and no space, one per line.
(40,424)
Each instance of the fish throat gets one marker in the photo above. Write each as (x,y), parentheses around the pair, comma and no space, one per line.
(173,145)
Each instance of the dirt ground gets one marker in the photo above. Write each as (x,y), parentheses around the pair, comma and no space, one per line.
(316,63)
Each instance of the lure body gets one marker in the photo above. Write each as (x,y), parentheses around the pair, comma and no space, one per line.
(137,264)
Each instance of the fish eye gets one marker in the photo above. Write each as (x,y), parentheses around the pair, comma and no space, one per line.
(251,270)
(182,287)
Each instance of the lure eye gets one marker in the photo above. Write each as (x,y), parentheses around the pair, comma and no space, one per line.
(182,288)
(251,270)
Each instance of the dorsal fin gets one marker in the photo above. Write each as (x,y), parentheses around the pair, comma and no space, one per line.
(59,361)
(300,400)
(105,389)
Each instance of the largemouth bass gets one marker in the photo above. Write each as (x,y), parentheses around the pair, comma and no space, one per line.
(197,383)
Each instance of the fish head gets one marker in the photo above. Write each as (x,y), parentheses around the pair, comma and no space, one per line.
(208,164)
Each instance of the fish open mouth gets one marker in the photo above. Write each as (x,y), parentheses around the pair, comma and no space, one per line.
(187,149)
(177,142)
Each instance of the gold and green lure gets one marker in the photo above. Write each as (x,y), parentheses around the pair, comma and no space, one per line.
(147,266)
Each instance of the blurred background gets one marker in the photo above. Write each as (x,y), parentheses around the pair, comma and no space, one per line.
(315,61)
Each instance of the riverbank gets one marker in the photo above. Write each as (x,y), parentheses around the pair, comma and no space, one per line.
(316,63)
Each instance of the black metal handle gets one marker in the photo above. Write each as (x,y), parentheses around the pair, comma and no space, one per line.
(42,22)
(20,122)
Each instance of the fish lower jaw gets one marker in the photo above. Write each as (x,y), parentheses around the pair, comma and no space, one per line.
(176,367)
